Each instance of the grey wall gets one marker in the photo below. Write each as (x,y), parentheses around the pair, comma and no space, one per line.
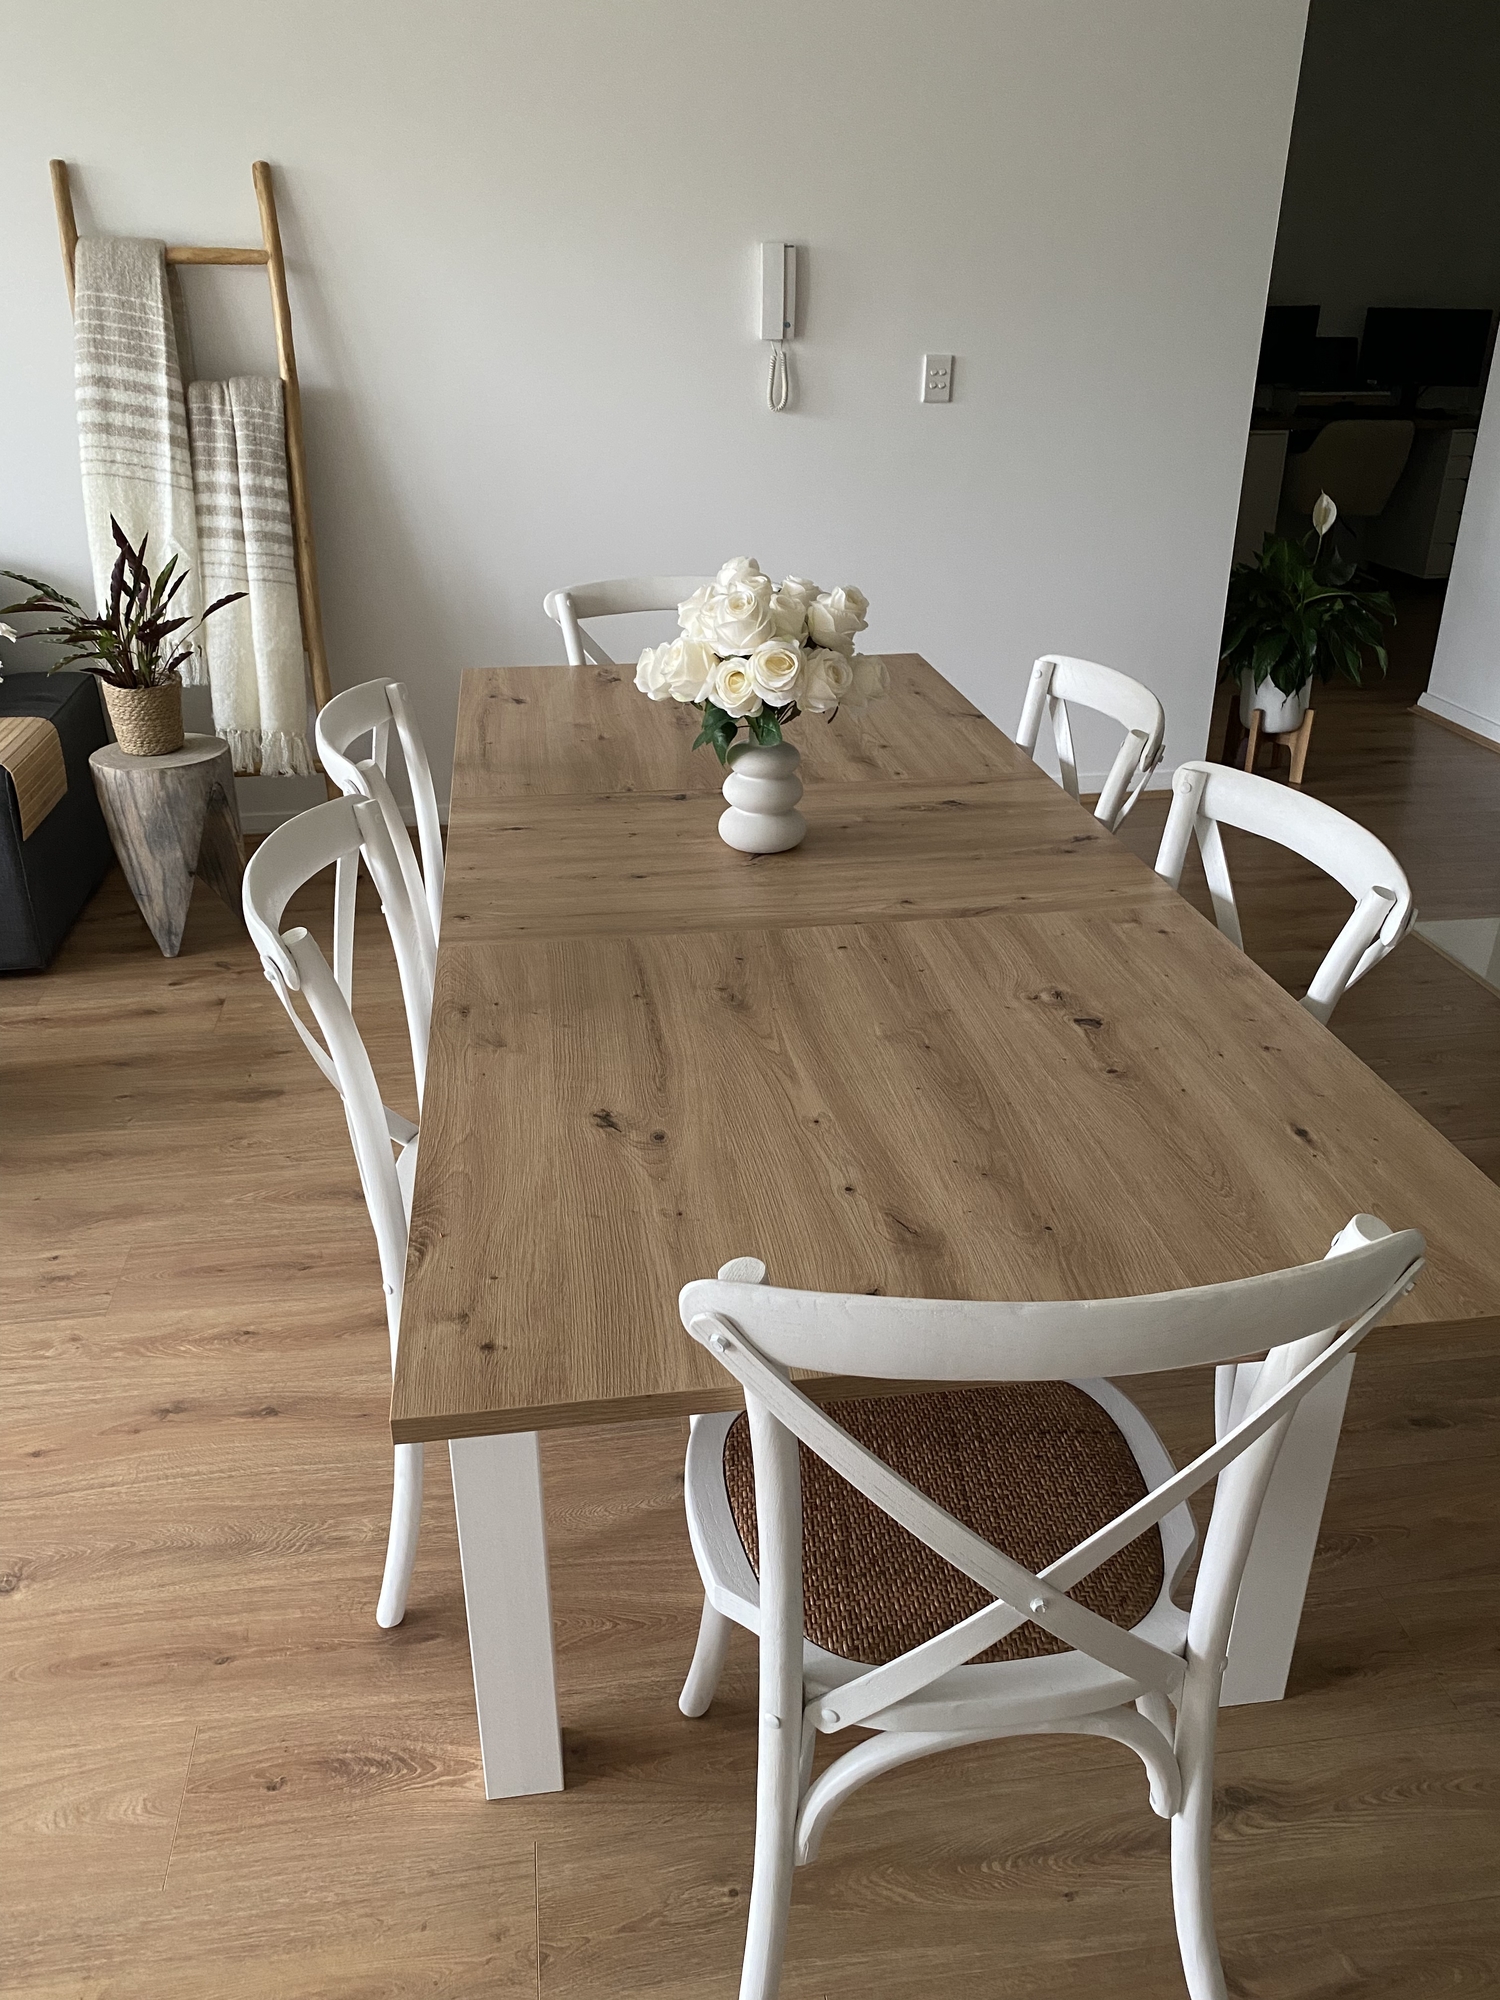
(522,242)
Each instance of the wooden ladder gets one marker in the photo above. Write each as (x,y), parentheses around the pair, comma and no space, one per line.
(269,254)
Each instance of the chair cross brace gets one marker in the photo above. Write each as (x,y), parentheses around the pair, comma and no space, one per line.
(1021,1595)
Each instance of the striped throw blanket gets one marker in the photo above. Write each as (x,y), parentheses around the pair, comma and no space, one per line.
(237,431)
(132,426)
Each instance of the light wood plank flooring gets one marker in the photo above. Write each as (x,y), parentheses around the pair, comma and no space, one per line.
(221,1777)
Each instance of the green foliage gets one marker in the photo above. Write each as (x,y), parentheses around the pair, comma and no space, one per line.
(720,728)
(1299,610)
(133,643)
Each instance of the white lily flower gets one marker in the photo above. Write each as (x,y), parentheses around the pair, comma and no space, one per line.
(1324,515)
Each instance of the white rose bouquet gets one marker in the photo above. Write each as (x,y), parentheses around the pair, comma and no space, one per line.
(758,653)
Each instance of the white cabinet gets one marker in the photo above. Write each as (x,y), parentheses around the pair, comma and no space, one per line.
(1419,526)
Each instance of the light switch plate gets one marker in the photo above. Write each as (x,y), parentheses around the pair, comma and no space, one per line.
(937,378)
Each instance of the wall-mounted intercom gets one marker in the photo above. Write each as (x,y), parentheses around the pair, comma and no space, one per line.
(778,314)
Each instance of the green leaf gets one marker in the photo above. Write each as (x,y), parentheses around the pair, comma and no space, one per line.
(719,729)
(765,727)
(1267,651)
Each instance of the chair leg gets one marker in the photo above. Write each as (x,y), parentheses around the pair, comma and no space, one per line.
(1192,1828)
(778,1784)
(708,1662)
(401,1548)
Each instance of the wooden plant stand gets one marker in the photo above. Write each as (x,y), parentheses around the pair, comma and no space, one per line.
(1295,742)
(172,818)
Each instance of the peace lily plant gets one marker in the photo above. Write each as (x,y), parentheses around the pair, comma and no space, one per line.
(759,654)
(1296,611)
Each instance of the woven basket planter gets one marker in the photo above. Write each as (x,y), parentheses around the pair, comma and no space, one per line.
(147,721)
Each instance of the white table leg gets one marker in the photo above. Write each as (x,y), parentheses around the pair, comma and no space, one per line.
(502,1545)
(1269,1608)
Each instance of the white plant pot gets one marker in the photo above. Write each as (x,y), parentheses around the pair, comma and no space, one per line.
(761,794)
(1279,713)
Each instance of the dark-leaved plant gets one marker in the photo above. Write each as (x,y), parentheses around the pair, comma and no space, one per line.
(1301,610)
(134,642)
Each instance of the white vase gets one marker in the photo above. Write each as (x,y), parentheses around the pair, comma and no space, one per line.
(1279,713)
(761,794)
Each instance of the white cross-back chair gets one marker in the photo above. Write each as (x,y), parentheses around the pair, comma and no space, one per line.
(373,710)
(385,1143)
(1055,681)
(1148,1676)
(619,595)
(1208,796)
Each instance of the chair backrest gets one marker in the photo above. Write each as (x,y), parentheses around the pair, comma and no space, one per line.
(611,599)
(1355,461)
(287,858)
(1309,1318)
(1206,796)
(1055,681)
(371,710)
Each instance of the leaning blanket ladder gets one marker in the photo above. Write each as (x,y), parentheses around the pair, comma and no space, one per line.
(304,554)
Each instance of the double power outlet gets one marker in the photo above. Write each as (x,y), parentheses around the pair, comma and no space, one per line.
(937,378)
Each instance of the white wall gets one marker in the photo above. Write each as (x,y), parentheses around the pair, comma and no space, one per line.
(1393,177)
(522,246)
(1465,683)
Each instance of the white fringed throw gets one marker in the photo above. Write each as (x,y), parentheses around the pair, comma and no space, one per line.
(238,436)
(132,425)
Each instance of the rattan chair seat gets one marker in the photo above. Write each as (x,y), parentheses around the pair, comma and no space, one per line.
(1033,1467)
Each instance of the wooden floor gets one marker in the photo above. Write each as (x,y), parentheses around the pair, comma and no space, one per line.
(221,1778)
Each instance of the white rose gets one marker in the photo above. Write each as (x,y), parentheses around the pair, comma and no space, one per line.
(799,586)
(834,616)
(693,668)
(737,617)
(676,672)
(789,614)
(732,688)
(827,677)
(690,613)
(776,669)
(652,675)
(870,681)
(738,569)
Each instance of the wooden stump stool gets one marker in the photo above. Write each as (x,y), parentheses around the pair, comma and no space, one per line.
(172,818)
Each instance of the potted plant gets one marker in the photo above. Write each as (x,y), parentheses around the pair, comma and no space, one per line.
(133,648)
(1298,610)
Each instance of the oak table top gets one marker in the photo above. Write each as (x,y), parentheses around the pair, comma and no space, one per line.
(961,1043)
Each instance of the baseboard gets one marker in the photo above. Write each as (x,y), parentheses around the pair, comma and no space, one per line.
(1462,721)
(258,823)
(1091,783)
(262,822)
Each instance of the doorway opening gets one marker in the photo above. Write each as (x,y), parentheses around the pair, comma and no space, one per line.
(1381,319)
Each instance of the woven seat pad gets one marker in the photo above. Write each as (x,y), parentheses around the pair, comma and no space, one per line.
(1034,1467)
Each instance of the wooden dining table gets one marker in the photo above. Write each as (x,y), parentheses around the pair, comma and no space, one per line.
(961,1043)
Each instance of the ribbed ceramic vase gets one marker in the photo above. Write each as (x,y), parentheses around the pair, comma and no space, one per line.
(761,794)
